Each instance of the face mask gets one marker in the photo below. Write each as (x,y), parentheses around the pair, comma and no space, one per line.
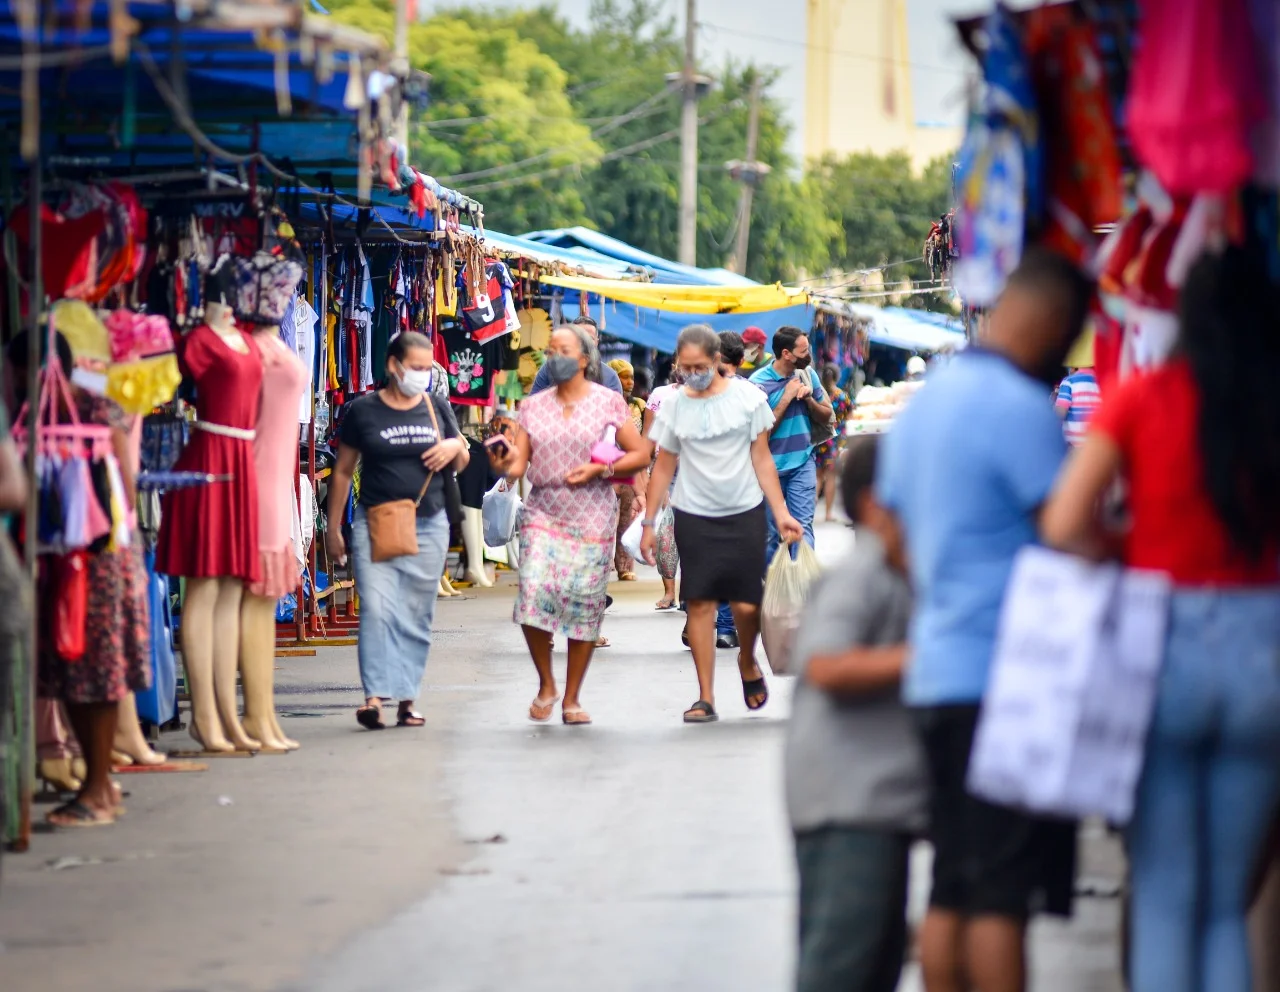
(753,353)
(802,363)
(699,381)
(413,382)
(561,368)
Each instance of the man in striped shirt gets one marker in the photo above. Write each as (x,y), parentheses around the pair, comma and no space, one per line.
(795,394)
(1077,402)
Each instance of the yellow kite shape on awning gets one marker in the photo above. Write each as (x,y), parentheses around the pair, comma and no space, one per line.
(686,299)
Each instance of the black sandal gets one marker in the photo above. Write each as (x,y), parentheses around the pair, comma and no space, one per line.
(755,687)
(701,712)
(77,814)
(408,718)
(370,717)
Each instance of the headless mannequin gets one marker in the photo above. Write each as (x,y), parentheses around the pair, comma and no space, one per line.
(211,626)
(258,613)
(473,539)
(129,743)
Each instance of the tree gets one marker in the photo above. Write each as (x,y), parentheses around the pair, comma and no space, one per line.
(616,73)
(496,99)
(885,209)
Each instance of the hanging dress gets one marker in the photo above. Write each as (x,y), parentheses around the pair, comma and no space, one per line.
(211,531)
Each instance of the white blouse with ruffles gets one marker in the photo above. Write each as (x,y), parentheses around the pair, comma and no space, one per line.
(712,437)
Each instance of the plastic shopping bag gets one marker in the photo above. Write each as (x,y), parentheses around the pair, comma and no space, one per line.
(501,510)
(631,538)
(1072,687)
(786,590)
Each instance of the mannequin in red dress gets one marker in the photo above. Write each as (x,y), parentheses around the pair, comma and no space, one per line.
(209,534)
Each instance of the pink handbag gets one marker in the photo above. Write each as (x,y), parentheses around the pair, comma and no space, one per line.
(606,452)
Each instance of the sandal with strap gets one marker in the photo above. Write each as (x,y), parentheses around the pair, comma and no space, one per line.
(755,687)
(701,712)
(408,718)
(77,814)
(370,717)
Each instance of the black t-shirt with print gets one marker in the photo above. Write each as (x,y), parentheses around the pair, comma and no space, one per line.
(391,443)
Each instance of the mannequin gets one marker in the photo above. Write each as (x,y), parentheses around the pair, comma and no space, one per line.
(129,742)
(275,455)
(209,534)
(473,539)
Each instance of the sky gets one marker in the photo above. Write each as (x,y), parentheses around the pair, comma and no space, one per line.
(760,31)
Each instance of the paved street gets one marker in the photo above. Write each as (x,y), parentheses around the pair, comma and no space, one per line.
(481,853)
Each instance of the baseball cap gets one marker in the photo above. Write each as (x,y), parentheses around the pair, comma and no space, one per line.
(753,335)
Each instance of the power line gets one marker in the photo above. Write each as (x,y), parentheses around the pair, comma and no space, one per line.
(625,151)
(637,111)
(845,53)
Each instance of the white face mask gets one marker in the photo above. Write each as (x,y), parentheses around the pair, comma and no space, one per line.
(413,382)
(753,353)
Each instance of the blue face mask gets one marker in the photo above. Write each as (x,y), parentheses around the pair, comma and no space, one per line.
(700,382)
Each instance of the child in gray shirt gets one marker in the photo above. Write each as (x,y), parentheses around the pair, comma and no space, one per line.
(855,775)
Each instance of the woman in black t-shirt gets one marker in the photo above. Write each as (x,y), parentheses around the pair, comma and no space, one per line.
(398,434)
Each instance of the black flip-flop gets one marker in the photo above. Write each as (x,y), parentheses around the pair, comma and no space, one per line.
(370,717)
(80,816)
(408,718)
(755,687)
(701,712)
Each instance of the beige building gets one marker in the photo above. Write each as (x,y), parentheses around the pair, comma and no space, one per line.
(858,84)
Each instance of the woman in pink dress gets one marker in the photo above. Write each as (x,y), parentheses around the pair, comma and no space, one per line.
(569,525)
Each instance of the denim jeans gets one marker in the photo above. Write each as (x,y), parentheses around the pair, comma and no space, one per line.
(1208,792)
(397,607)
(724,620)
(800,490)
(853,909)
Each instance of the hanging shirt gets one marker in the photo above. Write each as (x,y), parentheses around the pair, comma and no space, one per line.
(1078,400)
(470,364)
(304,323)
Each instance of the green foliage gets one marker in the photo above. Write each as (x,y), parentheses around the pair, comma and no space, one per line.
(885,209)
(565,109)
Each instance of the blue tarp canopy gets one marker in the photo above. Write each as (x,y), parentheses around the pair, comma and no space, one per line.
(658,329)
(913,330)
(663,270)
(107,119)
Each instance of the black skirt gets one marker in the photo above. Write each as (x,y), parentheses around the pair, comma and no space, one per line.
(722,558)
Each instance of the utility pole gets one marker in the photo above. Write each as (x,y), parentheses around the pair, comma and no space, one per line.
(689,140)
(749,173)
(402,65)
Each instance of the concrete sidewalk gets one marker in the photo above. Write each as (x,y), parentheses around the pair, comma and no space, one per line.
(481,853)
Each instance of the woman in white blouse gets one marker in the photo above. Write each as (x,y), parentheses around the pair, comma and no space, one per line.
(718,429)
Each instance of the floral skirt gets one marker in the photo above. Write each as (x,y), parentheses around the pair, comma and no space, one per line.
(563,582)
(117,657)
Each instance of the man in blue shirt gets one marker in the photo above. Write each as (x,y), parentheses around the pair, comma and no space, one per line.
(795,394)
(607,377)
(966,468)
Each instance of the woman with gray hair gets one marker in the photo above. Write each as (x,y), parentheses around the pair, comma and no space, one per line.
(718,428)
(572,442)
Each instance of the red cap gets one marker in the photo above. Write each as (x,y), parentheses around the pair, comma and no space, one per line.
(753,335)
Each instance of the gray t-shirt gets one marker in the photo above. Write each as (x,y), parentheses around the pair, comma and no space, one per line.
(854,761)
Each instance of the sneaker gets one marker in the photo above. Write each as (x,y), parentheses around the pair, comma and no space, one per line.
(729,640)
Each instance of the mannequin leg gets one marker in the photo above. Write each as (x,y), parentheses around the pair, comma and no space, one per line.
(446,589)
(257,672)
(473,538)
(226,655)
(197,633)
(129,740)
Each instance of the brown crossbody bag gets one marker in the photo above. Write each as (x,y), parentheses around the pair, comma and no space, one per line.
(393,527)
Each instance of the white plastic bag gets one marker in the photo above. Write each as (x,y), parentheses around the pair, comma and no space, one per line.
(1072,687)
(631,538)
(499,513)
(786,590)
